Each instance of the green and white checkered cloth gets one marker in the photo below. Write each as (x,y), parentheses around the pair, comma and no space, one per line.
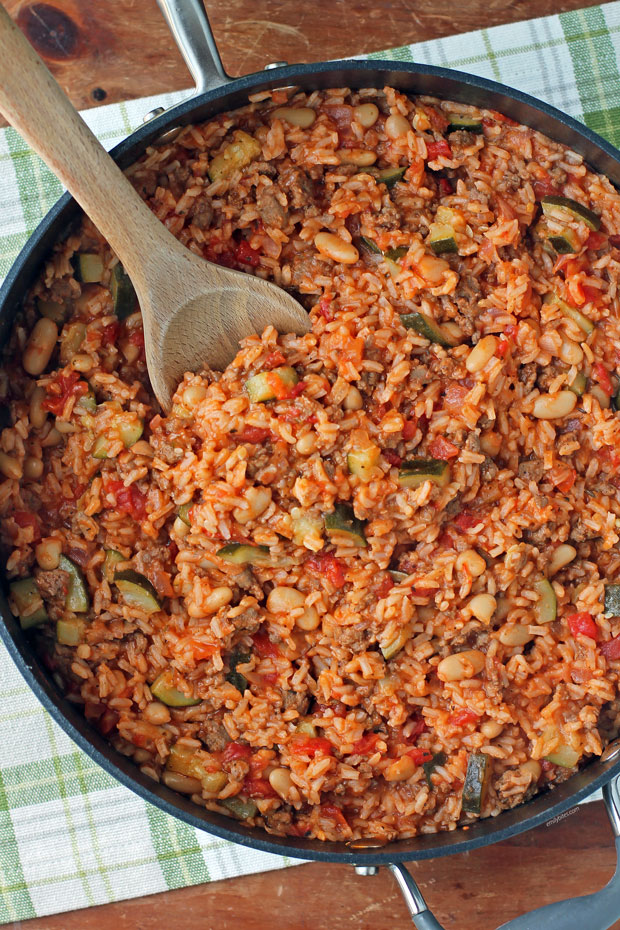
(70,836)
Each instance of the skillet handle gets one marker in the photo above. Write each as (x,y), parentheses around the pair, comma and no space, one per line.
(189,24)
(597,911)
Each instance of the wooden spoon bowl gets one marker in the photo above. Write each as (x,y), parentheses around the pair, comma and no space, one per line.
(194,312)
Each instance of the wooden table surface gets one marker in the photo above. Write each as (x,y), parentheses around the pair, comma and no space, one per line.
(110,50)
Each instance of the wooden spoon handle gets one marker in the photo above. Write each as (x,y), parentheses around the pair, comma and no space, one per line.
(35,105)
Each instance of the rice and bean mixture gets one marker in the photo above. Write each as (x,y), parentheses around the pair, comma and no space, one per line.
(365,583)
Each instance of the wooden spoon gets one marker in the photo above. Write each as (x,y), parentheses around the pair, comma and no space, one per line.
(194,312)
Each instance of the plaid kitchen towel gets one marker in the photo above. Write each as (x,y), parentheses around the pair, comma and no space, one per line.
(70,836)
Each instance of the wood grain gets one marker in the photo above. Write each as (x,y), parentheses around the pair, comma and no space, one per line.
(477,891)
(102,51)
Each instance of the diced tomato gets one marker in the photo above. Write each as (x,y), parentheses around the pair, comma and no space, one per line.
(64,387)
(439,122)
(419,756)
(439,149)
(252,434)
(502,118)
(342,116)
(445,187)
(296,389)
(136,337)
(129,500)
(334,813)
(596,241)
(200,650)
(392,457)
(225,258)
(454,396)
(108,721)
(421,590)
(327,565)
(502,347)
(466,520)
(417,730)
(443,449)
(563,477)
(235,751)
(245,254)
(259,788)
(109,333)
(615,241)
(582,624)
(311,745)
(264,646)
(273,359)
(384,587)
(277,385)
(410,427)
(445,540)
(544,187)
(366,745)
(25,518)
(547,766)
(611,649)
(511,330)
(591,295)
(325,309)
(297,829)
(462,717)
(600,374)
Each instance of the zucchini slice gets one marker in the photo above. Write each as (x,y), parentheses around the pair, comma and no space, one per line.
(439,758)
(395,255)
(163,689)
(88,268)
(571,312)
(242,810)
(236,679)
(578,385)
(547,605)
(469,123)
(112,558)
(389,650)
(396,576)
(389,176)
(28,603)
(344,522)
(52,310)
(565,756)
(564,241)
(612,600)
(427,327)
(77,600)
(130,431)
(553,203)
(70,631)
(270,385)
(476,783)
(137,590)
(442,238)
(415,472)
(362,461)
(370,245)
(183,513)
(100,448)
(87,402)
(123,294)
(242,553)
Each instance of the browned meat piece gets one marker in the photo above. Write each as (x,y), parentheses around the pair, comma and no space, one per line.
(272,213)
(53,584)
(527,375)
(246,580)
(297,699)
(299,188)
(514,786)
(540,536)
(388,217)
(214,735)
(531,469)
(473,442)
(201,213)
(488,470)
(547,375)
(249,621)
(145,183)
(468,288)
(579,532)
(266,168)
(462,138)
(454,506)
(305,268)
(471,637)
(63,289)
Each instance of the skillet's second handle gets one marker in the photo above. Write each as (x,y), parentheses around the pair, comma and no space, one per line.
(189,24)
(597,911)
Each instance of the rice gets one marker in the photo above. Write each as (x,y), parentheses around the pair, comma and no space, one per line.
(324,594)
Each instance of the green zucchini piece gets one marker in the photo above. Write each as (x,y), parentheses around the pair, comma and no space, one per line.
(101,448)
(183,513)
(242,554)
(362,462)
(88,268)
(571,312)
(306,727)
(112,558)
(565,756)
(427,327)
(442,238)
(236,679)
(547,606)
(27,601)
(70,631)
(469,123)
(260,387)
(137,590)
(476,783)
(579,383)
(429,767)
(78,599)
(565,241)
(130,432)
(370,245)
(415,472)
(164,690)
(389,176)
(242,810)
(389,650)
(395,255)
(87,402)
(396,576)
(123,293)
(52,310)
(612,600)
(344,522)
(553,203)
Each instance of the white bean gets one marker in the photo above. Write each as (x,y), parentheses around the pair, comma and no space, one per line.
(182,783)
(562,556)
(37,413)
(401,770)
(281,781)
(532,767)
(82,362)
(256,500)
(33,468)
(554,406)
(283,599)
(218,598)
(461,665)
(491,443)
(362,158)
(472,562)
(366,114)
(515,634)
(482,606)
(194,394)
(306,445)
(354,399)
(10,467)
(308,620)
(481,353)
(603,399)
(332,246)
(40,346)
(180,528)
(396,126)
(157,713)
(491,728)
(48,552)
(296,116)
(570,352)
